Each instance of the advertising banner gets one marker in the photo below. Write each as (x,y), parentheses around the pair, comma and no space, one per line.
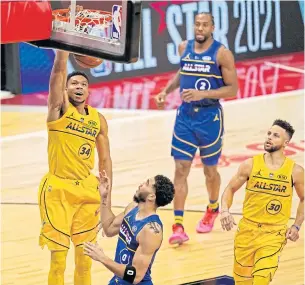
(250,29)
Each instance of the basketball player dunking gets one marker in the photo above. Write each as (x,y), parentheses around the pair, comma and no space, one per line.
(207,74)
(68,194)
(262,232)
(139,228)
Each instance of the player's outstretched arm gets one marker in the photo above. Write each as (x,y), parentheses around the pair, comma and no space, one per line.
(235,183)
(149,239)
(110,223)
(103,150)
(57,100)
(298,180)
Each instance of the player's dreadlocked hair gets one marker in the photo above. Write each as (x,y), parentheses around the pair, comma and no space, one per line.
(74,73)
(285,125)
(164,190)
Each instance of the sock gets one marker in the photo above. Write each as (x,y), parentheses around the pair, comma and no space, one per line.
(179,216)
(57,268)
(214,205)
(82,272)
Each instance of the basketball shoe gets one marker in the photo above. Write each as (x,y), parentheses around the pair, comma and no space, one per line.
(179,236)
(206,224)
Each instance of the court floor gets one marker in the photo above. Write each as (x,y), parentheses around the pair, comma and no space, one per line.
(140,148)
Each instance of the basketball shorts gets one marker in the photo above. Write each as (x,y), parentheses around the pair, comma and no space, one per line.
(68,210)
(198,127)
(257,249)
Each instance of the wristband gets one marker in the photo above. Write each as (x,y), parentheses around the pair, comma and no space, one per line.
(297,227)
(129,274)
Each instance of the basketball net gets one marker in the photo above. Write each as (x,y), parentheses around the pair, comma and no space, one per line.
(88,22)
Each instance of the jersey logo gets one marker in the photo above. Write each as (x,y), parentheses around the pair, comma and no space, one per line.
(125,232)
(216,118)
(270,175)
(258,173)
(187,56)
(270,186)
(127,218)
(281,176)
(92,123)
(206,58)
(134,228)
(81,129)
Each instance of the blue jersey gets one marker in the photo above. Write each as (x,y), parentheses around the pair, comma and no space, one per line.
(127,244)
(200,71)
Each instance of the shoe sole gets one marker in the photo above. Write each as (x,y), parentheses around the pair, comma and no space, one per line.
(203,232)
(200,231)
(177,240)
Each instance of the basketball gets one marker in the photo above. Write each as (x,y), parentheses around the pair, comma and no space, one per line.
(86,61)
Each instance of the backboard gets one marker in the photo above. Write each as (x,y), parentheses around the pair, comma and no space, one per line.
(103,29)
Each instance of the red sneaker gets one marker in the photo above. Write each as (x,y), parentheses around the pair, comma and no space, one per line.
(206,224)
(179,236)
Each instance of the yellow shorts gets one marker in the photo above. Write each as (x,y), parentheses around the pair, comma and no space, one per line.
(257,248)
(68,211)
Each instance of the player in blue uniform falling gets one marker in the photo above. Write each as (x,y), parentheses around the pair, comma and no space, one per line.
(207,73)
(139,228)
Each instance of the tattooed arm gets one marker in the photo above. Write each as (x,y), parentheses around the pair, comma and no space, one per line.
(149,239)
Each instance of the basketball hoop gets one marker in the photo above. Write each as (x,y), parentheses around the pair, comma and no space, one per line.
(110,31)
(86,21)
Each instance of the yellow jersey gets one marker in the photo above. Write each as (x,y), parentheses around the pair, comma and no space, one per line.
(71,143)
(269,193)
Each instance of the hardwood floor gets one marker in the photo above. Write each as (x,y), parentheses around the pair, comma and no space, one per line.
(140,148)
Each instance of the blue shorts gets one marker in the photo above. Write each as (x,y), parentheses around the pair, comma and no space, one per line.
(198,127)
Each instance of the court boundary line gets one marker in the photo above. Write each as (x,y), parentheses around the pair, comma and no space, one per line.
(122,207)
(146,114)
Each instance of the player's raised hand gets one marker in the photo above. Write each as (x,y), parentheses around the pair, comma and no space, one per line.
(160,100)
(94,251)
(292,233)
(227,220)
(104,184)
